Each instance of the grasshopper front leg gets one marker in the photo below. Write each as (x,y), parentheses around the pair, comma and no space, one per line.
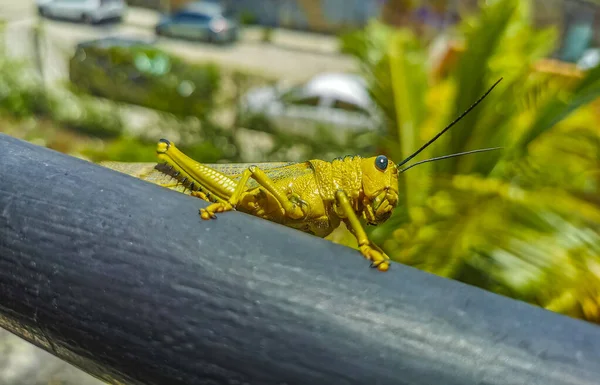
(290,209)
(370,251)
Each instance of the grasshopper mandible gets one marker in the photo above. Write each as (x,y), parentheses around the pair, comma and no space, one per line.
(313,196)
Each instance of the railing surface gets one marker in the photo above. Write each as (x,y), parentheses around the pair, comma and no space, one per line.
(124,280)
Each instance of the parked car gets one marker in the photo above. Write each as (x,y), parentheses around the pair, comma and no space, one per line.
(134,71)
(87,11)
(589,59)
(338,101)
(200,21)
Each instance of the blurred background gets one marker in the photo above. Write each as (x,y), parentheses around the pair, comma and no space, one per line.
(270,80)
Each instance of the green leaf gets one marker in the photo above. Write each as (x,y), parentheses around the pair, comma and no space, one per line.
(560,107)
(409,84)
(472,76)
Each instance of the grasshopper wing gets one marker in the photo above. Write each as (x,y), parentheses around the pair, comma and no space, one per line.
(276,171)
(146,171)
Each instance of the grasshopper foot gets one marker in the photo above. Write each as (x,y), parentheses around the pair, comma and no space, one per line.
(377,257)
(200,194)
(220,207)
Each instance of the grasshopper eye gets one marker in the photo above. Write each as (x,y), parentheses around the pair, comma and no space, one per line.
(381,162)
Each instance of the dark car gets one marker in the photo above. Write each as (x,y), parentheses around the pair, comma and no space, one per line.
(134,71)
(201,21)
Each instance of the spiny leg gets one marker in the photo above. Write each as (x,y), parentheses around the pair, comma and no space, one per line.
(290,208)
(212,185)
(368,249)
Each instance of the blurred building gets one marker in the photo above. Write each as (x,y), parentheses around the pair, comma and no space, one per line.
(577,20)
(327,16)
(580,26)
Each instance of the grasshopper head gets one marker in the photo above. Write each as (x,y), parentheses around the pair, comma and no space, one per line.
(380,189)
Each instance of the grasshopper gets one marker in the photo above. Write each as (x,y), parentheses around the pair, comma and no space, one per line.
(313,196)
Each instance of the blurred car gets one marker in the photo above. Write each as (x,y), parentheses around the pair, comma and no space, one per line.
(134,71)
(589,59)
(330,100)
(87,11)
(200,21)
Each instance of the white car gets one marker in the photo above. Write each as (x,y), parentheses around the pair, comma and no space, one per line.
(589,59)
(87,11)
(339,102)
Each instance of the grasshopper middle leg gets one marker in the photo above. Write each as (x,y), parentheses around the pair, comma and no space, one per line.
(291,209)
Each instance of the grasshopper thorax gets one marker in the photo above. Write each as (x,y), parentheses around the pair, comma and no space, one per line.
(380,189)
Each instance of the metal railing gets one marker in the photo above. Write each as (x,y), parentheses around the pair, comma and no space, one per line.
(122,278)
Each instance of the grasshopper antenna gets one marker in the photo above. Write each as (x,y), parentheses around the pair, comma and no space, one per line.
(449,156)
(450,125)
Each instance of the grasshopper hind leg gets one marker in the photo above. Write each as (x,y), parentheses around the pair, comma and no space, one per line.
(228,205)
(291,208)
(184,180)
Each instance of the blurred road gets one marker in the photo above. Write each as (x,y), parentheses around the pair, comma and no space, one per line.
(293,56)
(16,10)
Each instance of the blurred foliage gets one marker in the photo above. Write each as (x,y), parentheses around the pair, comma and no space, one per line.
(133,149)
(146,76)
(523,222)
(19,98)
(23,94)
(248,18)
(267,34)
(20,92)
(94,119)
(73,122)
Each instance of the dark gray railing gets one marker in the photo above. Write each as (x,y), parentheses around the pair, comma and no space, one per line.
(123,279)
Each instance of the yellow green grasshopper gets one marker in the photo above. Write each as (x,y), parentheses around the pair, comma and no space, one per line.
(312,196)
